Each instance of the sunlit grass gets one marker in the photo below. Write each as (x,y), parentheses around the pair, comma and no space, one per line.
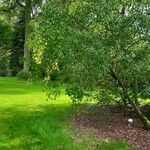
(29,121)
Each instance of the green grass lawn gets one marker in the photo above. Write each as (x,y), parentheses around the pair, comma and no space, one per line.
(29,122)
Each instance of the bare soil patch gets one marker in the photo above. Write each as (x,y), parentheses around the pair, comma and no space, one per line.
(112,125)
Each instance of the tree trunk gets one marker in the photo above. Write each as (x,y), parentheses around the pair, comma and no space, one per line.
(28,9)
(137,110)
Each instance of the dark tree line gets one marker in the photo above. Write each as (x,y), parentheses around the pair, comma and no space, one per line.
(19,13)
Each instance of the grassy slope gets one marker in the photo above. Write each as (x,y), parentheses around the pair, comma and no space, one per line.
(29,122)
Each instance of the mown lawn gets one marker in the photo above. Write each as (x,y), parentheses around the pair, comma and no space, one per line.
(29,122)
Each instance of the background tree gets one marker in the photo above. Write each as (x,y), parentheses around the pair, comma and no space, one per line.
(28,9)
(19,13)
(5,46)
(17,50)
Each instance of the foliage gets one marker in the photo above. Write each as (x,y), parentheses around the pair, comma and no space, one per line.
(16,57)
(18,13)
(88,43)
(5,38)
(5,45)
(24,75)
(3,67)
(146,110)
(97,50)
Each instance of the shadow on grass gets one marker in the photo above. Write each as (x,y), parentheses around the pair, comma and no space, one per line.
(16,87)
(42,128)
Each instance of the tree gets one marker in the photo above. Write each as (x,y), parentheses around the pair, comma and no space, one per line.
(12,10)
(31,8)
(17,48)
(5,46)
(28,10)
(98,50)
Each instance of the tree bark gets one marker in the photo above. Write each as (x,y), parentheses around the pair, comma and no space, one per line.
(137,110)
(28,9)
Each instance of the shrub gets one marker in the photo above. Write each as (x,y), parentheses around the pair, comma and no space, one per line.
(24,75)
(146,110)
(3,68)
(54,75)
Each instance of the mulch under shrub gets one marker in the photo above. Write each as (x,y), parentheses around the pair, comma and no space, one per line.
(113,126)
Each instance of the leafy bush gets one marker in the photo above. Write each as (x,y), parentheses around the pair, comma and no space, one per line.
(24,75)
(4,71)
(146,110)
(5,46)
(16,57)
(54,75)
